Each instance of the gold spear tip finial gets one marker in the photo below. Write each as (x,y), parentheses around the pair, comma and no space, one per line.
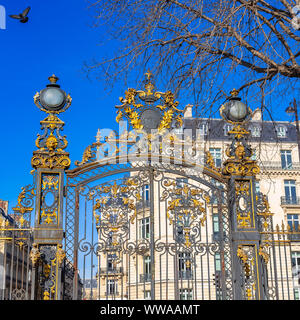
(53,78)
(234,92)
(149,74)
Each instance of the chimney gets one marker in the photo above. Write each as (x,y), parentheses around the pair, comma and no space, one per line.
(187,112)
(256,116)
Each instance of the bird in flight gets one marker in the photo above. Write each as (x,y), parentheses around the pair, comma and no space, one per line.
(22,16)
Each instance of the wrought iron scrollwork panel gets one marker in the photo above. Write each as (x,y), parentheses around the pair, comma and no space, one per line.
(49,205)
(48,272)
(148,235)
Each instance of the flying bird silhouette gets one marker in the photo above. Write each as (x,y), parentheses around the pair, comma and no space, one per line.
(22,16)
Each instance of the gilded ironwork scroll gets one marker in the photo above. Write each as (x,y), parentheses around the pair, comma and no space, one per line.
(49,203)
(248,258)
(51,145)
(186,207)
(148,109)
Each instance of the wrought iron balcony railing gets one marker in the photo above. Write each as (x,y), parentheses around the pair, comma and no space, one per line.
(216,200)
(111,270)
(145,277)
(277,165)
(111,293)
(143,204)
(216,236)
(290,200)
(185,274)
(295,236)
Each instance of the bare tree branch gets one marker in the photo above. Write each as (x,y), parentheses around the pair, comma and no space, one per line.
(198,45)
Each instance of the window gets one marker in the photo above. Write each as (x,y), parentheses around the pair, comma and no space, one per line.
(184,261)
(179,236)
(290,191)
(281,131)
(147,265)
(178,131)
(144,228)
(217,275)
(296,262)
(255,131)
(146,276)
(90,283)
(110,238)
(296,273)
(216,223)
(216,154)
(217,262)
(216,228)
(297,294)
(145,192)
(184,264)
(110,262)
(293,221)
(257,187)
(286,159)
(215,198)
(111,287)
(180,182)
(147,295)
(227,128)
(253,156)
(185,294)
(202,129)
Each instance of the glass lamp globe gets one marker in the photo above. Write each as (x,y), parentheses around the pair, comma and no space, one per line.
(237,110)
(52,97)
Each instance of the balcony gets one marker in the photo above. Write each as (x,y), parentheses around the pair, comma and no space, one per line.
(288,201)
(294,236)
(185,274)
(216,236)
(111,293)
(143,204)
(277,165)
(215,200)
(145,277)
(110,271)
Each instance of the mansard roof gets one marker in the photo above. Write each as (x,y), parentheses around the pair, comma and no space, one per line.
(216,129)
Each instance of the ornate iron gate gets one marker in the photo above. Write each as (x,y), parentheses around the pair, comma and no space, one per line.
(16,239)
(147,215)
(153,232)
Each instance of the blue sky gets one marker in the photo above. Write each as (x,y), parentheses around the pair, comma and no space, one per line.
(58,39)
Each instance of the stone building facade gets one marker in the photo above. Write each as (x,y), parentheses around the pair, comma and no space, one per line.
(182,275)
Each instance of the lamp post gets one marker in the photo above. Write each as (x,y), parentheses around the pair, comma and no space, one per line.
(50,162)
(294,109)
(240,170)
